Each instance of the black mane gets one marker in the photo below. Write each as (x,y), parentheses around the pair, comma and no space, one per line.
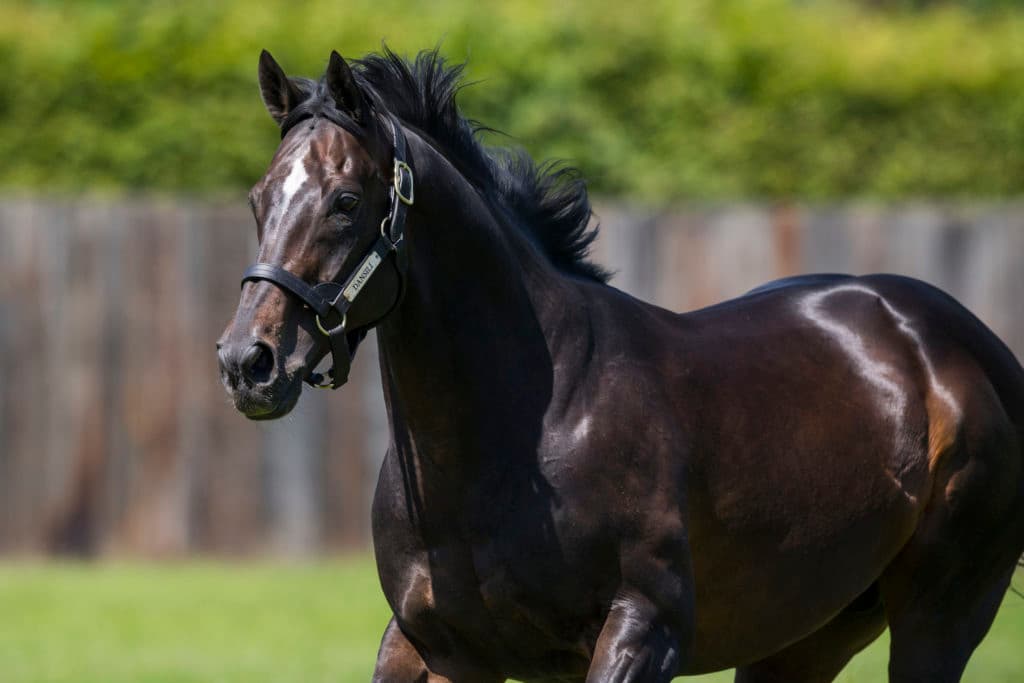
(548,201)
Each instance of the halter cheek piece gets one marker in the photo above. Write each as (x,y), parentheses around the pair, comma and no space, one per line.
(331,301)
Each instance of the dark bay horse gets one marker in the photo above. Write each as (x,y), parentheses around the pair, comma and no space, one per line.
(585,487)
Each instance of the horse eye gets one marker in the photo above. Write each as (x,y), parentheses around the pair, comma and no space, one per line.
(345,202)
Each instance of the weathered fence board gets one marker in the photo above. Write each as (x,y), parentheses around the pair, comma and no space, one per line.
(115,435)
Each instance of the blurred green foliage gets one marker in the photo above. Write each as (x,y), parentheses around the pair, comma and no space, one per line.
(656,101)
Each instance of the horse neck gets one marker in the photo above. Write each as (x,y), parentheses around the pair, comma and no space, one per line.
(465,359)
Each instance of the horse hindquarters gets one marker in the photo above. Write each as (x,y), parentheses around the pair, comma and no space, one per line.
(941,593)
(943,590)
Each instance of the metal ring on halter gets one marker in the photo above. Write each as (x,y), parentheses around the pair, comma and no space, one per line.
(329,384)
(384,233)
(327,333)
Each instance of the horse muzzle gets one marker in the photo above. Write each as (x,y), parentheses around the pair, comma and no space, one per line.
(252,375)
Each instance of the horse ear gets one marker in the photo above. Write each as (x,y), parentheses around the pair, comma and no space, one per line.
(279,94)
(342,86)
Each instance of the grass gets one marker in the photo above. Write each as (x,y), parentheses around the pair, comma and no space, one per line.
(223,623)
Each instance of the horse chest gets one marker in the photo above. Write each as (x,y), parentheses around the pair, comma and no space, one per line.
(505,584)
(459,595)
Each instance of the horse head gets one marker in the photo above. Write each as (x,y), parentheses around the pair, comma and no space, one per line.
(329,212)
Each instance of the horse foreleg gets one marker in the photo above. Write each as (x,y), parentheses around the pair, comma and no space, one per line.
(398,661)
(634,646)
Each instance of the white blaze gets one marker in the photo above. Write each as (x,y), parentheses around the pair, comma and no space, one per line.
(582,429)
(295,180)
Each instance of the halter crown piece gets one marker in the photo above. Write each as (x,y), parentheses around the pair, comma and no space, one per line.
(331,301)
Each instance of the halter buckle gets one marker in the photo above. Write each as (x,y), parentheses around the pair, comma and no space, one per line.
(402,171)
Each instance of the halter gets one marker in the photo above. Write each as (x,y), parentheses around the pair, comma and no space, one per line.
(331,301)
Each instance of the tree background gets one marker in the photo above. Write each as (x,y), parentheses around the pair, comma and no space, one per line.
(657,101)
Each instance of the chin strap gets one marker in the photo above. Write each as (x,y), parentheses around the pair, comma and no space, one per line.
(331,301)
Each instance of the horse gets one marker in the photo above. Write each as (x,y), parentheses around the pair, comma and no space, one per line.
(581,486)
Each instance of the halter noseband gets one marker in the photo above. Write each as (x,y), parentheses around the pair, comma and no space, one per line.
(331,301)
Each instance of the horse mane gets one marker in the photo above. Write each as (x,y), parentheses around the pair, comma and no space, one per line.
(547,201)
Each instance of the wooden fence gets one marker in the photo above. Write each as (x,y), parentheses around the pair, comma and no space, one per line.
(116,437)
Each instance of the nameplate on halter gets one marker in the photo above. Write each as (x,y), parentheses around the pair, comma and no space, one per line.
(370,264)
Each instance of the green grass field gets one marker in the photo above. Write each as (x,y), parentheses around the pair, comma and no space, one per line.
(223,623)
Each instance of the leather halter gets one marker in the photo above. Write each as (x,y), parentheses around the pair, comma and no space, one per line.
(331,301)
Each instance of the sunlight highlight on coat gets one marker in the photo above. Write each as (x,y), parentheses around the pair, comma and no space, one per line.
(878,373)
(942,420)
(941,390)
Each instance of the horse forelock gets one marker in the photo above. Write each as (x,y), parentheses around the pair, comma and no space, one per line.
(318,103)
(548,202)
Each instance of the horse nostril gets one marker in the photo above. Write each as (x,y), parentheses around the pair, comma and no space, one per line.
(258,363)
